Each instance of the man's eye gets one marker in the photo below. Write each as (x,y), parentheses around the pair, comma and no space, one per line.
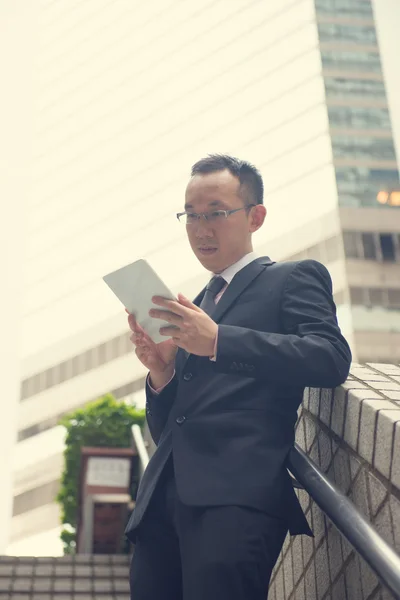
(191,216)
(217,214)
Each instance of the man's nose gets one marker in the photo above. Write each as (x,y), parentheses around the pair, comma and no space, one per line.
(202,228)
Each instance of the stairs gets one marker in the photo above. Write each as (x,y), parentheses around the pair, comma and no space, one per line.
(80,577)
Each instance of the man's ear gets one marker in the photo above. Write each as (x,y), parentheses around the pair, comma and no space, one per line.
(257,217)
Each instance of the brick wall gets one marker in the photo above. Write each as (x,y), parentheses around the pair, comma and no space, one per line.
(353,434)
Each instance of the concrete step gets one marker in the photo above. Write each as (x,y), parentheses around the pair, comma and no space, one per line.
(81,577)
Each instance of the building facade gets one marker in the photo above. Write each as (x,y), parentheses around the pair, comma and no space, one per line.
(129,95)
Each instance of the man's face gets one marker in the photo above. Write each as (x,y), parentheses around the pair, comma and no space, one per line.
(220,244)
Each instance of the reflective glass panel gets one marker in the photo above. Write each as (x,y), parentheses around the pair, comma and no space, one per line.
(337,86)
(359,186)
(363,147)
(353,8)
(358,34)
(351,61)
(351,248)
(354,117)
(369,247)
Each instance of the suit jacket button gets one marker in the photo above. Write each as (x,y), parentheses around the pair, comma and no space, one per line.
(180,420)
(187,376)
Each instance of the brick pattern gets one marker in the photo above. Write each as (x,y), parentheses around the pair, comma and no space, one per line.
(353,434)
(80,577)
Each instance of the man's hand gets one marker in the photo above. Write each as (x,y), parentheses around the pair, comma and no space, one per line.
(158,358)
(196,331)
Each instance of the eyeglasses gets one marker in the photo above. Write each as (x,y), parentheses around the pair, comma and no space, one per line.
(216,216)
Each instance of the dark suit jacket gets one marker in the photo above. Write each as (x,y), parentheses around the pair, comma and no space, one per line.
(230,423)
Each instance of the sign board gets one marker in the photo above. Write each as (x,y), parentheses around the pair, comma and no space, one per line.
(108,472)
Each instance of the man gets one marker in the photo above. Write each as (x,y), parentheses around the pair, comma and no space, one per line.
(216,500)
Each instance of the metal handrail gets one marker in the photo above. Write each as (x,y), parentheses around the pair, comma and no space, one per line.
(348,520)
(140,447)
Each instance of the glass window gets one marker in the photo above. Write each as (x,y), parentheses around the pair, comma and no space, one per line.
(348,8)
(25,389)
(394,298)
(369,246)
(340,86)
(351,61)
(347,146)
(65,370)
(357,295)
(330,32)
(359,186)
(52,376)
(354,117)
(78,364)
(376,297)
(101,354)
(388,249)
(351,246)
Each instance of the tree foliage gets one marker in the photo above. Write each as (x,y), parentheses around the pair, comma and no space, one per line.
(105,422)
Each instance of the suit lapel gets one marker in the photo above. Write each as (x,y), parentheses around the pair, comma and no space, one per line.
(236,287)
(238,284)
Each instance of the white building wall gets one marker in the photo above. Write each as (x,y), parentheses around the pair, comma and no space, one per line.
(17,46)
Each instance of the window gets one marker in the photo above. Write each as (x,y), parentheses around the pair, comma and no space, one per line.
(352,117)
(359,186)
(25,389)
(52,376)
(101,354)
(384,297)
(65,370)
(345,8)
(357,296)
(372,246)
(388,249)
(78,365)
(394,298)
(351,61)
(369,246)
(351,247)
(376,297)
(368,148)
(330,32)
(337,86)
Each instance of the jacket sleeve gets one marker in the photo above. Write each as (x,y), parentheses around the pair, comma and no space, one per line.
(312,351)
(158,406)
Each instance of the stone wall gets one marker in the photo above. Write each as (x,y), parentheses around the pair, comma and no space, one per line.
(353,434)
(80,577)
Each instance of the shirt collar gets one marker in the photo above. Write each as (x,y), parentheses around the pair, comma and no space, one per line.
(229,273)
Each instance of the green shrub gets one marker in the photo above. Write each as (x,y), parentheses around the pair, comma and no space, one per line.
(105,422)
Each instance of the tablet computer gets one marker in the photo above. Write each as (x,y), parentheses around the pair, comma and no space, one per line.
(135,285)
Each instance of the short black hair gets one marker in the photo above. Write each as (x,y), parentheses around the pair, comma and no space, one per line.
(249,177)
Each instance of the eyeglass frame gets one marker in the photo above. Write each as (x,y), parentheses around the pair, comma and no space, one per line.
(206,215)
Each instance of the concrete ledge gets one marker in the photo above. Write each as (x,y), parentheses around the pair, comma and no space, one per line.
(353,434)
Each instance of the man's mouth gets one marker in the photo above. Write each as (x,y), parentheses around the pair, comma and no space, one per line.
(207,250)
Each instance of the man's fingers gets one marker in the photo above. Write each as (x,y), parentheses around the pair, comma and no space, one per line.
(172,306)
(170,331)
(134,325)
(186,302)
(165,315)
